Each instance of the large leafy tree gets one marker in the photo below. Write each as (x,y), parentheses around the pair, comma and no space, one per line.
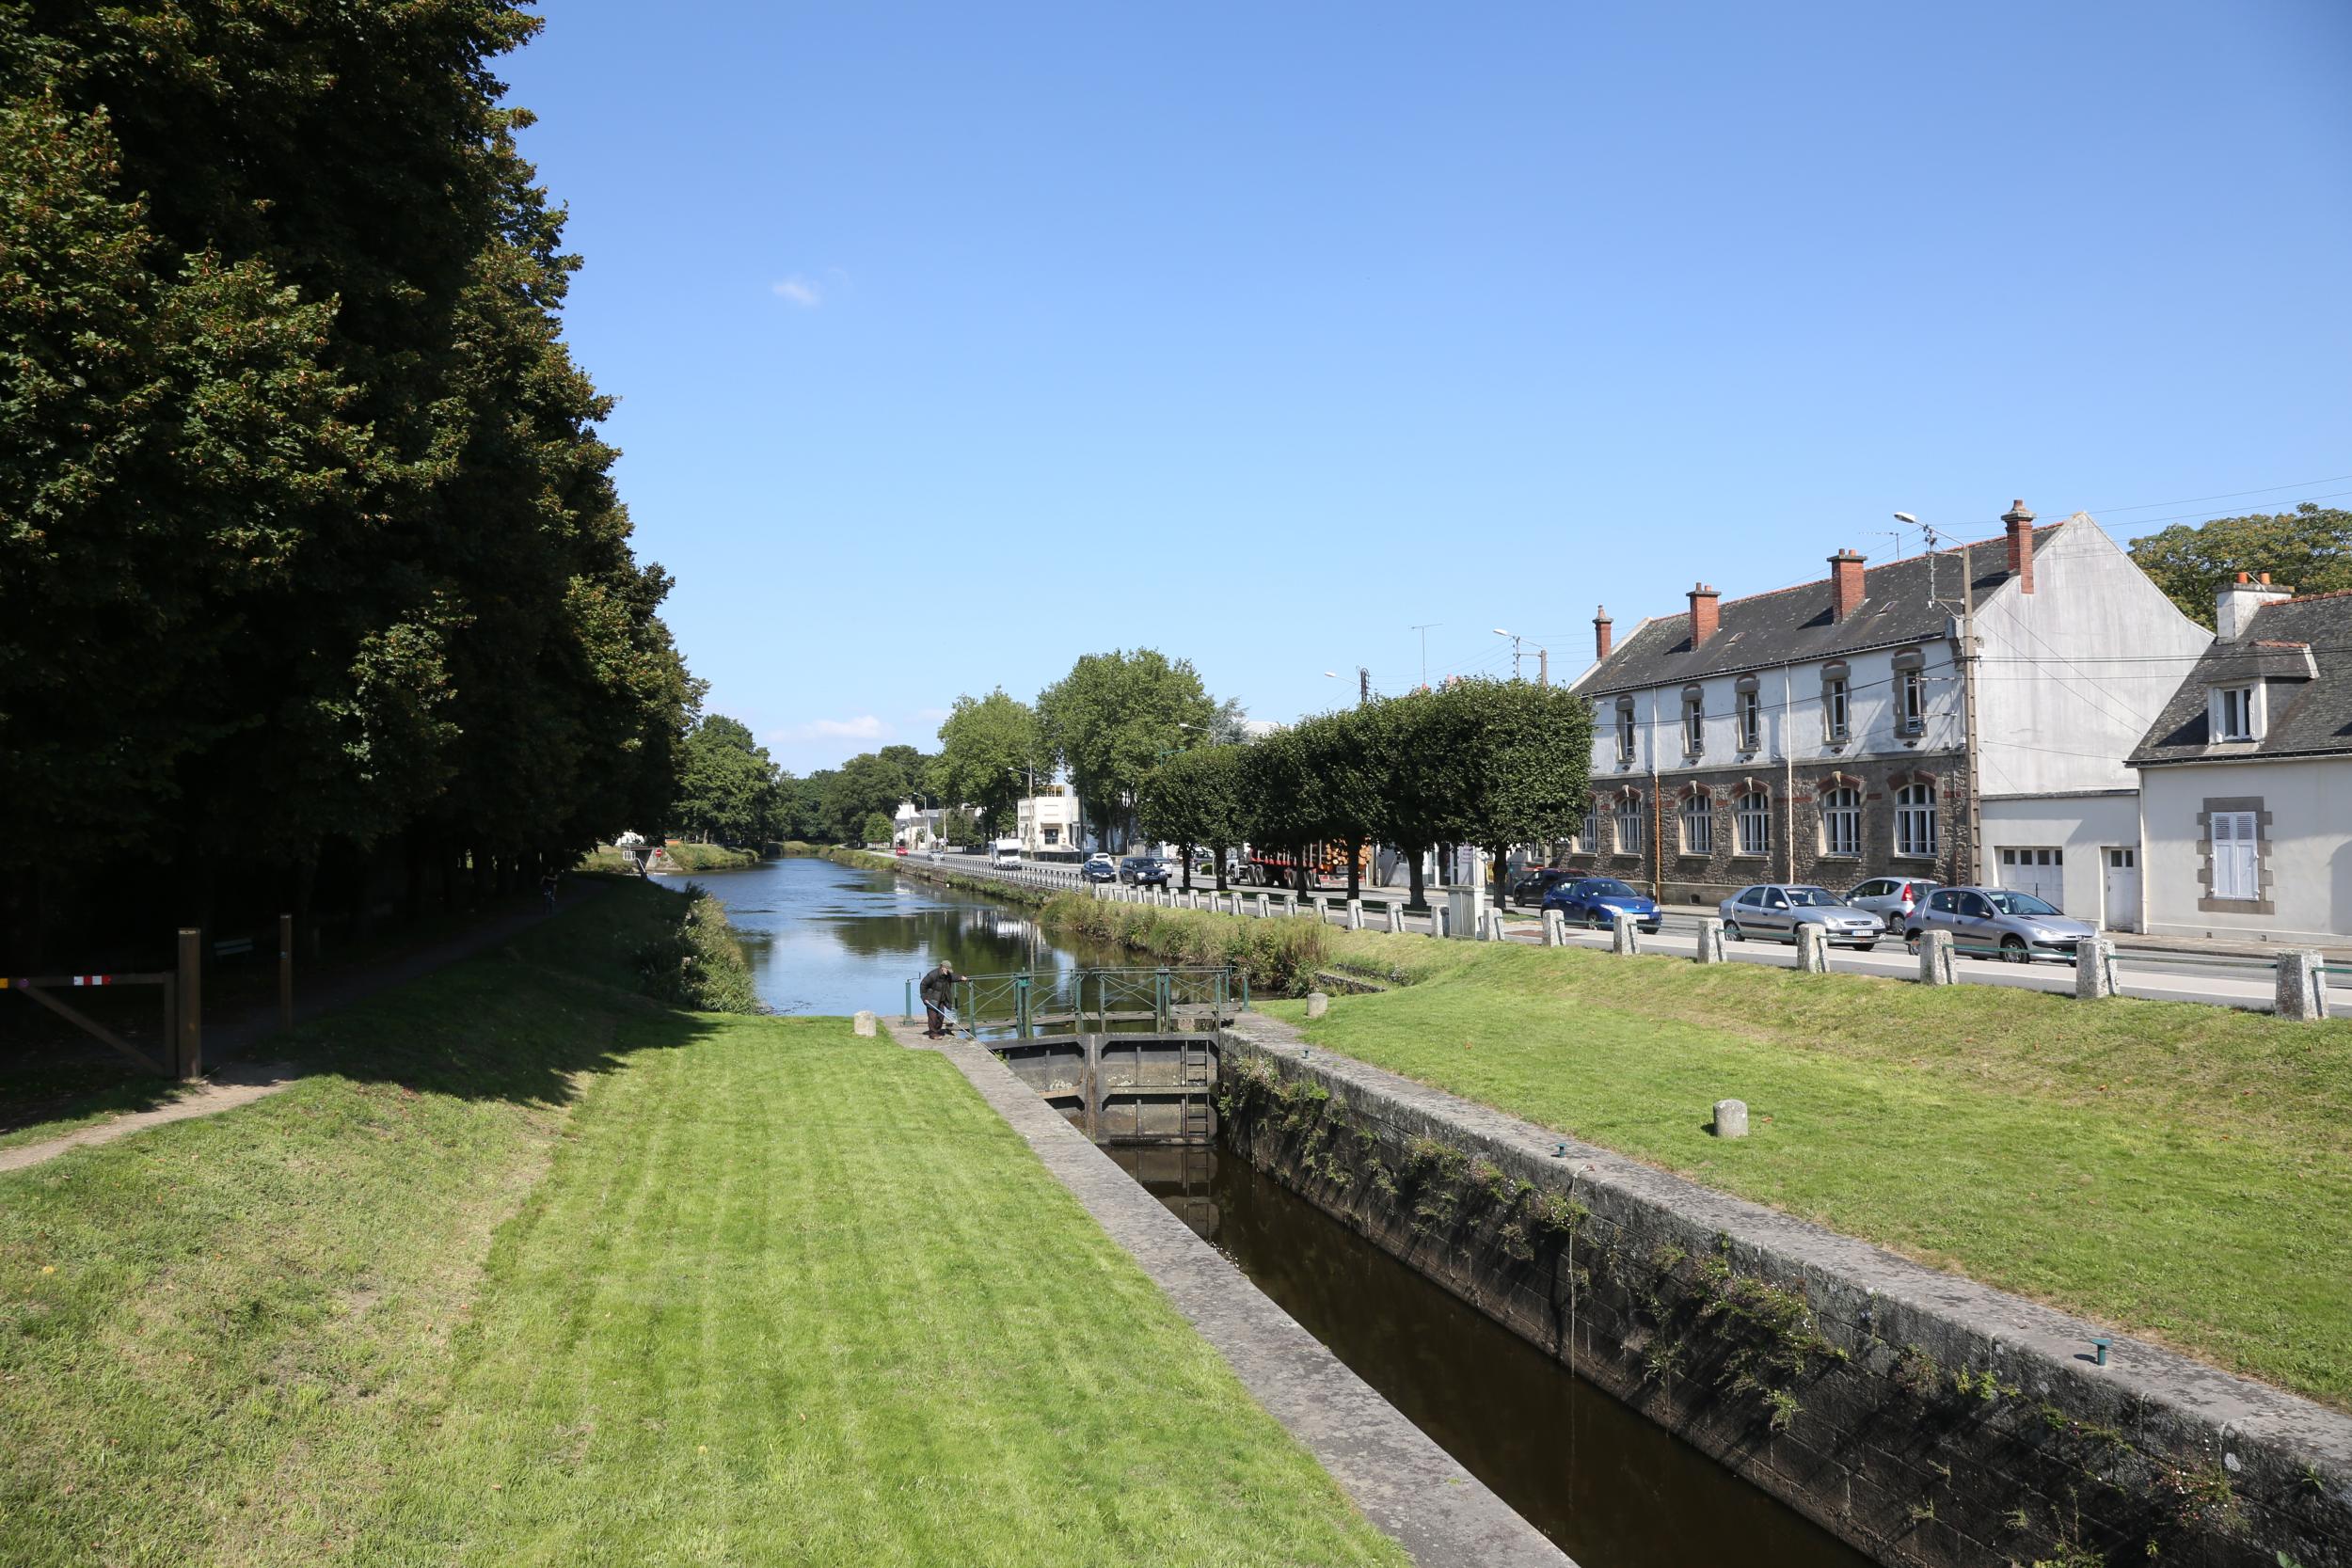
(1113,719)
(1281,799)
(1520,760)
(307,542)
(726,785)
(989,747)
(1344,760)
(868,784)
(2310,547)
(1196,799)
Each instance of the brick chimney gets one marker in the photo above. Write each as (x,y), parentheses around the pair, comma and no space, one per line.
(2020,523)
(1845,582)
(1704,619)
(1602,639)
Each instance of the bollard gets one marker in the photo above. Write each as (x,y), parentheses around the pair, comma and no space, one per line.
(1318,1003)
(1710,948)
(1935,960)
(1355,914)
(285,971)
(1262,909)
(1622,938)
(1555,928)
(1441,921)
(1812,949)
(1731,1118)
(1396,916)
(861,1022)
(2094,968)
(2302,992)
(189,988)
(1494,931)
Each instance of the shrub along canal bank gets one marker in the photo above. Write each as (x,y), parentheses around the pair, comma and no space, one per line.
(720,1285)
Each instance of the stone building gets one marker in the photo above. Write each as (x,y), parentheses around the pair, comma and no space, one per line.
(1819,734)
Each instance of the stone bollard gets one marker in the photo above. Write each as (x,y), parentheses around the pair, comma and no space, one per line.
(863,1025)
(1731,1118)
(1935,960)
(1812,949)
(1622,938)
(1262,906)
(2094,968)
(1318,1003)
(1441,922)
(2302,993)
(1396,916)
(1494,931)
(1710,939)
(1355,914)
(1555,928)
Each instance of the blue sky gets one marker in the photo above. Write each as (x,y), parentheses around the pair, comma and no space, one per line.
(955,342)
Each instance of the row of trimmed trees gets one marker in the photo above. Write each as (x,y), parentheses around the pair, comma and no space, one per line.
(315,590)
(1489,763)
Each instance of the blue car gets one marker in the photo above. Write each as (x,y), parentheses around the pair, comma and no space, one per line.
(1597,902)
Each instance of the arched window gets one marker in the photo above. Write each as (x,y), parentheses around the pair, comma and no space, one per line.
(1915,820)
(1698,826)
(1588,831)
(1628,824)
(1841,822)
(1752,810)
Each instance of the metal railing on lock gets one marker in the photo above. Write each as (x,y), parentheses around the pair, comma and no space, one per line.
(1080,1000)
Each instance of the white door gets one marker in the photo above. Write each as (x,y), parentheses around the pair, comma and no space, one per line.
(2038,871)
(2122,888)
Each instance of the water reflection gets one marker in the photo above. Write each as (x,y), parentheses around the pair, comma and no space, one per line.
(826,938)
(1613,1490)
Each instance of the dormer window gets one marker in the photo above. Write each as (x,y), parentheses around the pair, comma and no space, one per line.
(2234,714)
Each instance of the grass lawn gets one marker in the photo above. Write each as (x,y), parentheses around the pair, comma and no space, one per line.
(534,1270)
(2182,1172)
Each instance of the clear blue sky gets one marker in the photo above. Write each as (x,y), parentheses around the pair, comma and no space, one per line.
(954,341)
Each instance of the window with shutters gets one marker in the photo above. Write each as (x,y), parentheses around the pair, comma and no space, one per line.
(2236,856)
(1629,825)
(1841,822)
(1915,821)
(1752,813)
(1698,826)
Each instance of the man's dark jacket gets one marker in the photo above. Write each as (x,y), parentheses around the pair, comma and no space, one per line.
(938,989)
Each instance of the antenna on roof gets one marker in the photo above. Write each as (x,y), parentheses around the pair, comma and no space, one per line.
(1894,533)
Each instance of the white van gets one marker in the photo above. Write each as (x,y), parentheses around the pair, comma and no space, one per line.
(1005,852)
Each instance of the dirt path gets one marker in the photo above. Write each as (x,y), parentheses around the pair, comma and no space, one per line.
(239,1083)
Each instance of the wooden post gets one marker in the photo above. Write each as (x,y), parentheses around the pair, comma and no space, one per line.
(285,971)
(190,1055)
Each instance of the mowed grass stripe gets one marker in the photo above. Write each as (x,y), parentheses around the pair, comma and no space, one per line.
(2180,1171)
(911,1345)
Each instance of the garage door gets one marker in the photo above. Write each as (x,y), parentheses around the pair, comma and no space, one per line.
(2040,872)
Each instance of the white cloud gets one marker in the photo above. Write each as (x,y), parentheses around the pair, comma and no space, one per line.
(864,727)
(798,291)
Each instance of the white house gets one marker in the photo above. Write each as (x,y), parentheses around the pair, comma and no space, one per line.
(915,826)
(1820,733)
(1049,822)
(2245,777)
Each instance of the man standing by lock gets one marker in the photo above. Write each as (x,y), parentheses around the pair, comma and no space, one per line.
(938,991)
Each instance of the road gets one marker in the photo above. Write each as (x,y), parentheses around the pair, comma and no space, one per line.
(2156,976)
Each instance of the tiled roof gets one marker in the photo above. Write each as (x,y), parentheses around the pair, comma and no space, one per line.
(2303,645)
(1794,625)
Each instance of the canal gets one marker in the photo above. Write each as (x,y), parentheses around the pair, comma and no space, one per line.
(1611,1489)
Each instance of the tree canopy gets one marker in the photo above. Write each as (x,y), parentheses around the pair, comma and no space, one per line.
(1199,799)
(308,542)
(728,789)
(2309,549)
(1113,719)
(988,747)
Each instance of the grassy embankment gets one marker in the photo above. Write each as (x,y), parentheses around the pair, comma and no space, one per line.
(2184,1172)
(685,857)
(534,1269)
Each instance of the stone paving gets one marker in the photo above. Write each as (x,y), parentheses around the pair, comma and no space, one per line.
(1406,1485)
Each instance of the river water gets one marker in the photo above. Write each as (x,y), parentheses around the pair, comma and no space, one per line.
(1613,1490)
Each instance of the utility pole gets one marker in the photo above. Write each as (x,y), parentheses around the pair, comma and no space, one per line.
(1363,686)
(1968,690)
(1543,668)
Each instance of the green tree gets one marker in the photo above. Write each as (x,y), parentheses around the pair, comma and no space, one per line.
(2309,549)
(1196,799)
(1520,760)
(1345,763)
(726,785)
(1279,801)
(987,748)
(878,828)
(868,784)
(1113,719)
(1419,800)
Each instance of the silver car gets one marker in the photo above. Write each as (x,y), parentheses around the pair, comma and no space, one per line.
(1775,909)
(1891,898)
(1999,922)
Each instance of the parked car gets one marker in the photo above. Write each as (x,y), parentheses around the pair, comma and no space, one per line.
(1100,868)
(1529,886)
(1775,909)
(1998,922)
(1143,871)
(900,850)
(1597,902)
(1891,898)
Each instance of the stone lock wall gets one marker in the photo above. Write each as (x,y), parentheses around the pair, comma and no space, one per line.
(1924,1418)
